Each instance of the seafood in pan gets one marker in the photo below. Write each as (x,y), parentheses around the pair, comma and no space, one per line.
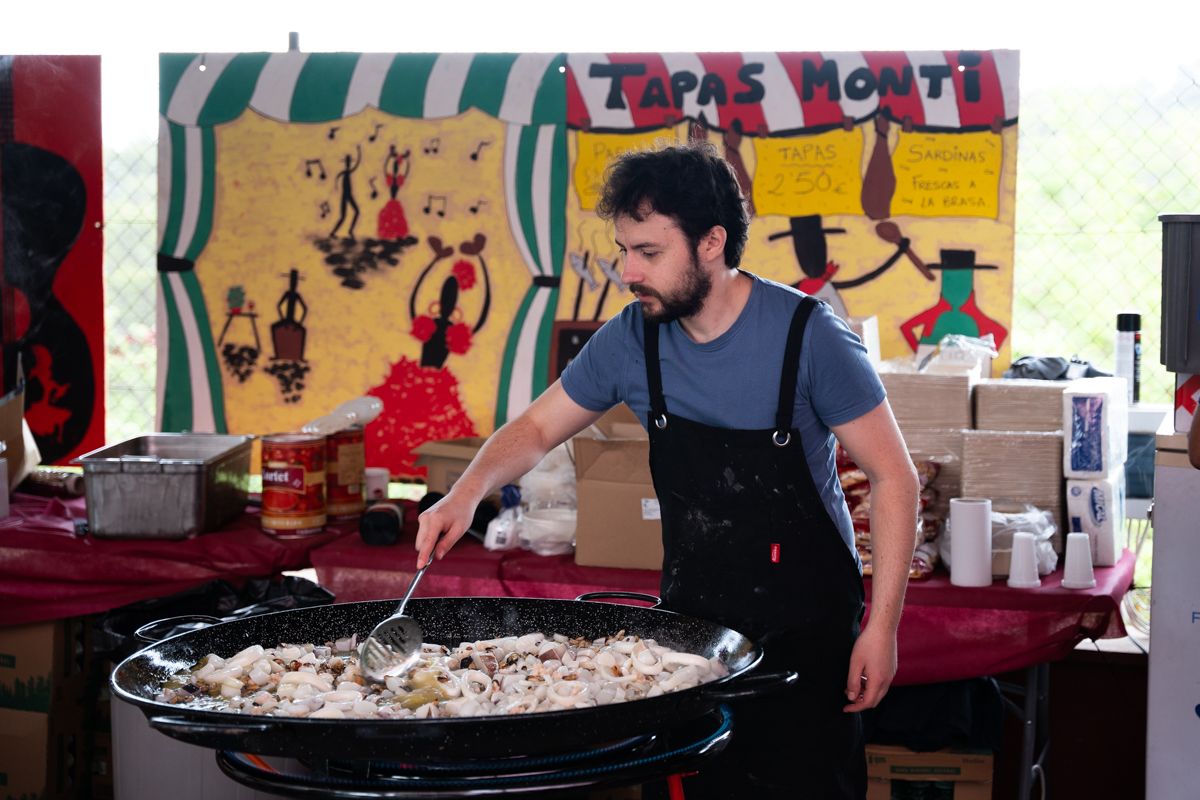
(510,675)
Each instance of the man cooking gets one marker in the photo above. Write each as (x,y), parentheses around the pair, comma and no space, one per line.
(743,384)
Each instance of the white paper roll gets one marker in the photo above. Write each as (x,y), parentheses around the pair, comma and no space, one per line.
(971,541)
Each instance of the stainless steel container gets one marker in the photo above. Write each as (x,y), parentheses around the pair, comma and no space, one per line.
(166,485)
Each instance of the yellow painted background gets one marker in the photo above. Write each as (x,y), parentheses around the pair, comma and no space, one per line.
(894,297)
(267,214)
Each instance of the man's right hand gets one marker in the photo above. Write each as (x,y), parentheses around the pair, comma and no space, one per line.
(442,525)
(508,454)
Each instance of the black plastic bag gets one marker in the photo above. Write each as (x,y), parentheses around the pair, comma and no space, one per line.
(1053,368)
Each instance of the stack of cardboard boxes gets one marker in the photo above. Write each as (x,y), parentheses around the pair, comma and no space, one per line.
(934,412)
(1017,442)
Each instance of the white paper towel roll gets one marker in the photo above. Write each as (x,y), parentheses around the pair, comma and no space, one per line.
(971,541)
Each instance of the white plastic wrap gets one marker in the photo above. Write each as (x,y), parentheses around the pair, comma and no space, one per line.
(546,524)
(1032,520)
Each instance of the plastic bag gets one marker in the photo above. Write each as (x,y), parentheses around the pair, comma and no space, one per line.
(857,491)
(1031,520)
(1053,368)
(503,532)
(956,352)
(548,505)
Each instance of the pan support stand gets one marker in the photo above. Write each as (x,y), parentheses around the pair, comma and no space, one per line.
(1033,711)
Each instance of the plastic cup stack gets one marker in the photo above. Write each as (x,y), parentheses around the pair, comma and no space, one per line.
(1077,574)
(1023,571)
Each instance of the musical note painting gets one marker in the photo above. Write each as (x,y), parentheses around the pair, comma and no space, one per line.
(51,295)
(427,221)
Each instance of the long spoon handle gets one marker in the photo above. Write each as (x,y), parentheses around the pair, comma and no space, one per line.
(411,588)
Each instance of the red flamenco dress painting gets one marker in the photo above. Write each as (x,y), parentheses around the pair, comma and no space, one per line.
(421,398)
(392,224)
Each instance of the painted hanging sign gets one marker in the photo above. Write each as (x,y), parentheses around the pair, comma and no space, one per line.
(420,227)
(51,295)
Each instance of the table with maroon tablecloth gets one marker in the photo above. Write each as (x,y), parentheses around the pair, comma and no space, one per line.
(947,632)
(48,571)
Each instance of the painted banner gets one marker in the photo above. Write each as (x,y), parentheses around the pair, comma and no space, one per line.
(51,292)
(420,227)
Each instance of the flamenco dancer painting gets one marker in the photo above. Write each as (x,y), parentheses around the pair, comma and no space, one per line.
(422,398)
(392,224)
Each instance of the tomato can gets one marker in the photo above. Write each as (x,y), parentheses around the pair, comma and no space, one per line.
(293,484)
(345,462)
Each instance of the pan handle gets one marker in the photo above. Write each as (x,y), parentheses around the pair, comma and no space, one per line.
(752,686)
(149,631)
(172,725)
(648,598)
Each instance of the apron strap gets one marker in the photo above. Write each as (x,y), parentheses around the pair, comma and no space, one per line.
(658,403)
(791,369)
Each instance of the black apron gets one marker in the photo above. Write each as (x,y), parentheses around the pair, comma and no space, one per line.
(748,544)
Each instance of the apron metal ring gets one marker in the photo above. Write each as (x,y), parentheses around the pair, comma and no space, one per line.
(660,421)
(787,437)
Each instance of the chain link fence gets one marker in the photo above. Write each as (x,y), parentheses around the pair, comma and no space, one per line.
(130,275)
(1096,168)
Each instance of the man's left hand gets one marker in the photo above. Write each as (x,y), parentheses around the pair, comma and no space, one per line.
(872,667)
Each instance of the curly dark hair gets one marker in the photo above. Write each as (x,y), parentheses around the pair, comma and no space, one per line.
(690,183)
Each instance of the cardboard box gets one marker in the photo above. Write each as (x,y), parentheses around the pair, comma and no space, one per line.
(20,453)
(943,446)
(46,725)
(43,666)
(929,400)
(1012,468)
(619,422)
(950,774)
(42,755)
(447,459)
(618,518)
(1018,405)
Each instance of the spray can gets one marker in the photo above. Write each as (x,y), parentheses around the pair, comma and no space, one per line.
(1129,354)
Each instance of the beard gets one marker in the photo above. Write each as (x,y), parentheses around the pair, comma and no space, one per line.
(686,302)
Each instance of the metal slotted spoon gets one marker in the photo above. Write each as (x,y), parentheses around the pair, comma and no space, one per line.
(395,643)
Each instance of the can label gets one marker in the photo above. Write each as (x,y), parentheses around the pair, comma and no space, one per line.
(345,462)
(293,485)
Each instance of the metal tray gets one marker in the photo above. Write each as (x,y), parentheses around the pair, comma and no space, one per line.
(166,485)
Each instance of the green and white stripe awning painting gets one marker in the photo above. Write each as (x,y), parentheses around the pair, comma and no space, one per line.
(535,182)
(527,91)
(523,89)
(191,359)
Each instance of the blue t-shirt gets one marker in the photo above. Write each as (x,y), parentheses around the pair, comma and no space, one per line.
(733,381)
